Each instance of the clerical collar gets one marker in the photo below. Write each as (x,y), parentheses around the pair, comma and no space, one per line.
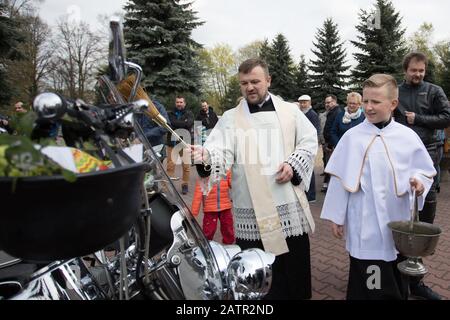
(267,105)
(383,124)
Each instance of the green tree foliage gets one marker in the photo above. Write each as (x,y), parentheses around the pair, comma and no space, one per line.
(10,38)
(29,72)
(380,42)
(251,50)
(158,37)
(233,95)
(218,66)
(264,51)
(329,69)
(421,41)
(302,79)
(445,77)
(442,50)
(281,68)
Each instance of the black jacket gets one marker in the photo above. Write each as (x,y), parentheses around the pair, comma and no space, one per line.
(331,116)
(429,103)
(208,120)
(313,117)
(183,119)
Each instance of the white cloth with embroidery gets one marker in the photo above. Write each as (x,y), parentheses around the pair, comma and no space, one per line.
(222,145)
(371,188)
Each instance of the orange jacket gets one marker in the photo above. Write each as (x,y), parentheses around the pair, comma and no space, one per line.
(217,200)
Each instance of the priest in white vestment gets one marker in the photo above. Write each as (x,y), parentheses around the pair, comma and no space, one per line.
(270,147)
(374,170)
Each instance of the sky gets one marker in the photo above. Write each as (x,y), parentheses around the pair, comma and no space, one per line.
(240,22)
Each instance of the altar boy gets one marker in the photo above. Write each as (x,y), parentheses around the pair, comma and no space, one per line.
(374,170)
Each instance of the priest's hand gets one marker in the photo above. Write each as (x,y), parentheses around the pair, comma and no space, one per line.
(200,155)
(284,173)
(338,230)
(417,185)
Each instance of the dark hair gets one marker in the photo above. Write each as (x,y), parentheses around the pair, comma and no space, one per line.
(248,65)
(180,97)
(419,56)
(332,96)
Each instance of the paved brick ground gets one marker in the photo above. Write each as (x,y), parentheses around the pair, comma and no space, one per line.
(330,261)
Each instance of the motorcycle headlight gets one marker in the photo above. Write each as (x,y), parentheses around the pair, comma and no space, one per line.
(250,274)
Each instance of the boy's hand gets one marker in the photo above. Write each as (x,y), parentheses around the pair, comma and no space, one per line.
(417,185)
(285,173)
(338,230)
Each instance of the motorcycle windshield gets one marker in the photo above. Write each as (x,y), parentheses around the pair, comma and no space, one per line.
(164,200)
(206,277)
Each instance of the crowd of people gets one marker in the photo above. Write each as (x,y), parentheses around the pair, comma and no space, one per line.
(256,172)
(391,133)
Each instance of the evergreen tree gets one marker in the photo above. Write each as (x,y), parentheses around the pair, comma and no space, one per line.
(329,70)
(445,76)
(430,74)
(10,37)
(264,51)
(233,94)
(442,52)
(302,85)
(158,37)
(281,68)
(381,42)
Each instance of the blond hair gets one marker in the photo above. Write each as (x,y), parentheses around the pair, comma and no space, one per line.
(383,80)
(354,95)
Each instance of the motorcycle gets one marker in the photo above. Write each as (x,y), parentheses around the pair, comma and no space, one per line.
(119,234)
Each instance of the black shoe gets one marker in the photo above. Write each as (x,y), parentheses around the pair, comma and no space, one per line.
(184,189)
(422,291)
(322,174)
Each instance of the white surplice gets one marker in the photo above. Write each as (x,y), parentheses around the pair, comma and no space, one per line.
(223,149)
(369,187)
